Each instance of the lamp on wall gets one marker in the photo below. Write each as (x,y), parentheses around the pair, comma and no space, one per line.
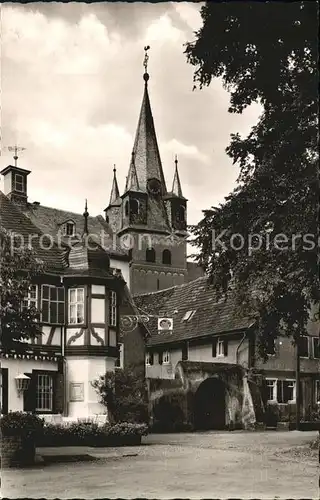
(22,383)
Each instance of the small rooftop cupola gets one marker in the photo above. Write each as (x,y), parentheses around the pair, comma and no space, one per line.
(176,185)
(15,180)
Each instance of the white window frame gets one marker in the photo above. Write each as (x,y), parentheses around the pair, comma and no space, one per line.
(21,182)
(272,383)
(113,309)
(74,319)
(51,301)
(317,392)
(29,301)
(294,390)
(43,390)
(148,357)
(220,348)
(271,354)
(314,340)
(121,355)
(69,224)
(166,358)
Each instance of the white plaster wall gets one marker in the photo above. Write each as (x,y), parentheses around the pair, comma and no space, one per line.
(198,353)
(57,336)
(16,367)
(124,268)
(84,370)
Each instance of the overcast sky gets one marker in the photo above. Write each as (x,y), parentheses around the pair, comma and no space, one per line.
(72,87)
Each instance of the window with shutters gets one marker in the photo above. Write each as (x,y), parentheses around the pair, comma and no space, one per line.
(76,306)
(149,358)
(304,346)
(286,391)
(113,309)
(166,357)
(52,304)
(44,392)
(271,389)
(316,347)
(31,299)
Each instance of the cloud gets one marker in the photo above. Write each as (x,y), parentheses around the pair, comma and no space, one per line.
(71,94)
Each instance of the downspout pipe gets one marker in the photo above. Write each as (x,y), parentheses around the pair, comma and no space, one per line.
(239,345)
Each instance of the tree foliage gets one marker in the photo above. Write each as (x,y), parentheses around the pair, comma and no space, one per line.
(124,394)
(266,53)
(18,268)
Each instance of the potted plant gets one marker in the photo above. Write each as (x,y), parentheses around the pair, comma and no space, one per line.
(18,436)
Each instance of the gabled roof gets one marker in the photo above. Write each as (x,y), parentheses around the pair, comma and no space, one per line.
(211,317)
(12,219)
(50,220)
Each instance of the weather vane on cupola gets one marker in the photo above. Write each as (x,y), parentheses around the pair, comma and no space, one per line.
(145,63)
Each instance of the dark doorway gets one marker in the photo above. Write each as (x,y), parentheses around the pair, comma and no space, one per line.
(210,405)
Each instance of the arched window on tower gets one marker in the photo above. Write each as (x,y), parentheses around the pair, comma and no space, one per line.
(166,257)
(150,255)
(181,214)
(134,206)
(126,209)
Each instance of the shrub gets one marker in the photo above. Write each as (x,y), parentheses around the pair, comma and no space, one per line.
(26,425)
(124,394)
(90,434)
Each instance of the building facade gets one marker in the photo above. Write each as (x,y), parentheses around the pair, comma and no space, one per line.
(208,340)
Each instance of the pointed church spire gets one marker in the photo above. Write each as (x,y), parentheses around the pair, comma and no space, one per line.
(132,183)
(115,189)
(176,185)
(147,160)
(85,224)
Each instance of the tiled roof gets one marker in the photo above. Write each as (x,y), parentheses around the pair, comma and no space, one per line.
(49,220)
(210,317)
(12,219)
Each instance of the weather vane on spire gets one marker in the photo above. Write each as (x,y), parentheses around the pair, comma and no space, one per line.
(15,149)
(146,58)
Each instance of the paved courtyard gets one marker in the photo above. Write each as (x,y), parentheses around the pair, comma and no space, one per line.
(201,465)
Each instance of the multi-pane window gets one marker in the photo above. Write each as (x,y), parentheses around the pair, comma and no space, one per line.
(52,304)
(286,391)
(271,389)
(149,358)
(31,299)
(166,357)
(113,308)
(18,183)
(316,347)
(304,346)
(271,346)
(69,229)
(76,306)
(44,392)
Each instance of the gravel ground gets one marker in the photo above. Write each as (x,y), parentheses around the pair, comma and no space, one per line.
(264,465)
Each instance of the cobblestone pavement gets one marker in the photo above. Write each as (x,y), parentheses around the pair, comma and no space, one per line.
(201,465)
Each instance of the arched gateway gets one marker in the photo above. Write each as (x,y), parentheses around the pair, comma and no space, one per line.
(210,405)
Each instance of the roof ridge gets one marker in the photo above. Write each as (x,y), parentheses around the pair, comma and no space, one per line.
(63,210)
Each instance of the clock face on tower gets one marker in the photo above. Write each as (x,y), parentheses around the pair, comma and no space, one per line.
(154,186)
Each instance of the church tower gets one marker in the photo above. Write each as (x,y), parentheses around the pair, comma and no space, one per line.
(151,220)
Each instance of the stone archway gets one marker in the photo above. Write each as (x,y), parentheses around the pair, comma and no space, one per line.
(210,405)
